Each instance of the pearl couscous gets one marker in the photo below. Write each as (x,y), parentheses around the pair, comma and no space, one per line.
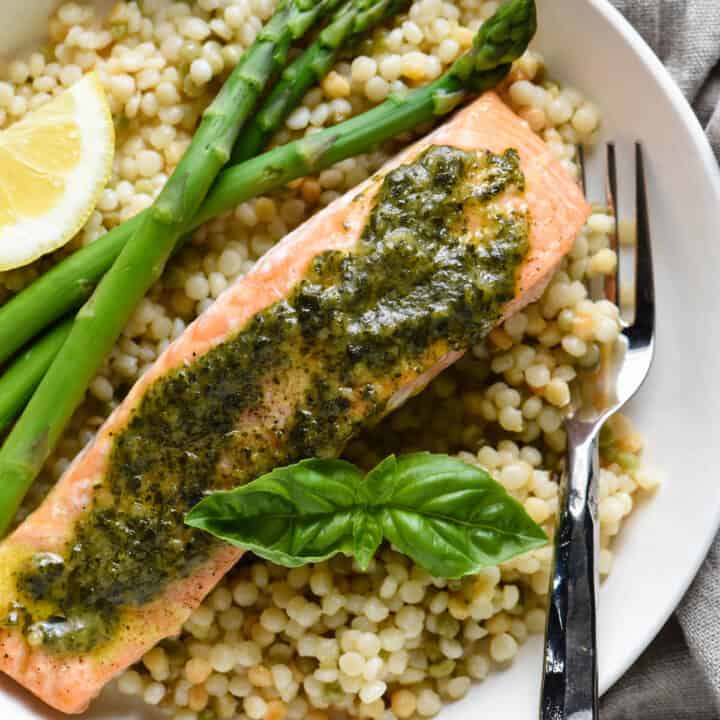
(393,642)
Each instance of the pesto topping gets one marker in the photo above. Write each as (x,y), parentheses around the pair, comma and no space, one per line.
(434,266)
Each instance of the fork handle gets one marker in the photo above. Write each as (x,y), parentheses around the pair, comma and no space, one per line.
(570,680)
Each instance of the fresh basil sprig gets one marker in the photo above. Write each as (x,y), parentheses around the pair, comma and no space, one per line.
(451,518)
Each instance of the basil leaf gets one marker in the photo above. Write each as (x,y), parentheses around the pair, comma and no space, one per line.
(452,518)
(367,537)
(292,516)
(380,482)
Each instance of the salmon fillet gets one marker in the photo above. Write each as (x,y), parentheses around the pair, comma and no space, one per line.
(557,210)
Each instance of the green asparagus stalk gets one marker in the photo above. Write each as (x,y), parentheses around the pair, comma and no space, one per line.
(63,288)
(351,21)
(502,39)
(22,377)
(70,283)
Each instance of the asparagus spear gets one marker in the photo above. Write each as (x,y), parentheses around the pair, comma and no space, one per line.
(22,377)
(351,21)
(70,282)
(500,40)
(64,287)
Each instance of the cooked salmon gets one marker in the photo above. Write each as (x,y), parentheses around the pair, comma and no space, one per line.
(256,412)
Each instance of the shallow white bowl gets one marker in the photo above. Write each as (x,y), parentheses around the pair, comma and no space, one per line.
(588,44)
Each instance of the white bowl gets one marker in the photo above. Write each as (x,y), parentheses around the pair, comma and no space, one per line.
(588,44)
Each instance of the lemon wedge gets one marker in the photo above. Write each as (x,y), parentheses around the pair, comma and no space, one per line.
(54,163)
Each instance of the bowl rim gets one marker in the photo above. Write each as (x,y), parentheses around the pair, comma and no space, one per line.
(684,111)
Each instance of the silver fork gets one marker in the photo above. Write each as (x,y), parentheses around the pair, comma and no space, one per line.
(570,682)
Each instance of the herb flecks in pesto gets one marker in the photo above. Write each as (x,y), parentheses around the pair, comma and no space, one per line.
(435,265)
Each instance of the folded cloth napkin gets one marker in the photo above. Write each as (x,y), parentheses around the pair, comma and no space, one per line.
(678,678)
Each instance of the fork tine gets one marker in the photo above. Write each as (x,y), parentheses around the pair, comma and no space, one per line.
(612,284)
(644,324)
(580,152)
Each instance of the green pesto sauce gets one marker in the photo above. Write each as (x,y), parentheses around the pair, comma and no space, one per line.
(418,276)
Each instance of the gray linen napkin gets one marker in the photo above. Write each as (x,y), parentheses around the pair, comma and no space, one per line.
(678,678)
